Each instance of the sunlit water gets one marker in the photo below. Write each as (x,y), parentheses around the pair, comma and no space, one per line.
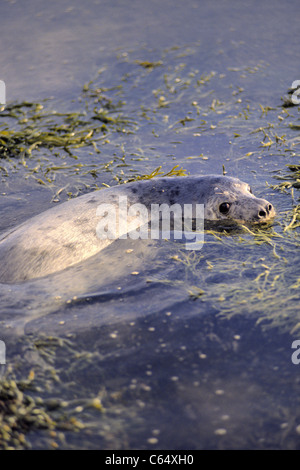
(185,349)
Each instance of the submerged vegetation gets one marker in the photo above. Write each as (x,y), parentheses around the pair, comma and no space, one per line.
(255,279)
(175,171)
(22,408)
(37,128)
(51,146)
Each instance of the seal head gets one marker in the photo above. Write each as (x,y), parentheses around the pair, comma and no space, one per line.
(232,199)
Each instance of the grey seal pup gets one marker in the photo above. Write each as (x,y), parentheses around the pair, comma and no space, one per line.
(67,234)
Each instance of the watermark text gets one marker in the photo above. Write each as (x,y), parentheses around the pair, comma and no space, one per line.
(136,221)
(295,98)
(2,93)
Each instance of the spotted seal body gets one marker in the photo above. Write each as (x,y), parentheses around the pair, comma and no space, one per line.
(66,234)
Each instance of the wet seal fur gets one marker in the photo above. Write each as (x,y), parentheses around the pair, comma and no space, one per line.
(66,234)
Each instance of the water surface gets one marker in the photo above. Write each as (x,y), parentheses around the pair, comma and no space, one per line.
(147,345)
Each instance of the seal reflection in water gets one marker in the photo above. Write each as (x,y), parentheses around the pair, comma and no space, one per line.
(66,234)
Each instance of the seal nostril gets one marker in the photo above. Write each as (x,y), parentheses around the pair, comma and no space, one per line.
(262,213)
(269,207)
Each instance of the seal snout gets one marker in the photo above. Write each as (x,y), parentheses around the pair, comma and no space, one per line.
(265,211)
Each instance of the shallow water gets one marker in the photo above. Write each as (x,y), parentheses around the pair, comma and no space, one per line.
(184,349)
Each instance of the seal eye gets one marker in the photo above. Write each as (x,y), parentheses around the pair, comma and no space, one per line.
(224,207)
(250,190)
